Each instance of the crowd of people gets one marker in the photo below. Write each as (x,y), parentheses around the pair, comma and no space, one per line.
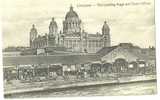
(89,70)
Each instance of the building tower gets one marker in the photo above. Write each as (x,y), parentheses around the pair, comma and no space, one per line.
(72,23)
(53,30)
(106,35)
(33,35)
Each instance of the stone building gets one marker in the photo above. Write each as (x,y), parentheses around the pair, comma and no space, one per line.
(73,37)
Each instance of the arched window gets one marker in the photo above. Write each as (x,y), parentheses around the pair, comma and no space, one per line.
(120,65)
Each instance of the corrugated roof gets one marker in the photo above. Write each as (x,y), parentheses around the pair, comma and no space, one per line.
(64,59)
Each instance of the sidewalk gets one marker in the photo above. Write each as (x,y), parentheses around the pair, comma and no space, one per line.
(19,87)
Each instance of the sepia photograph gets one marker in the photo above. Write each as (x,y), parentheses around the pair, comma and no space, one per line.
(78,48)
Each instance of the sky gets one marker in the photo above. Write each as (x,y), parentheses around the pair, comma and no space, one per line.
(133,23)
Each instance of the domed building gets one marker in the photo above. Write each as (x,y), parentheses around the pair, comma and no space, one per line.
(73,37)
(72,23)
(43,41)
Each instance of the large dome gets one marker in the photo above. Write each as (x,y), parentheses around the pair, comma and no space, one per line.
(71,14)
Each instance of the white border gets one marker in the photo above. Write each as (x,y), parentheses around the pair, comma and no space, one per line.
(157,22)
(152,97)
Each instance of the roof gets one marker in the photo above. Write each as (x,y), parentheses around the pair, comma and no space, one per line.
(105,50)
(94,35)
(52,59)
(143,54)
(73,34)
(14,49)
(56,48)
(71,14)
(29,52)
(151,56)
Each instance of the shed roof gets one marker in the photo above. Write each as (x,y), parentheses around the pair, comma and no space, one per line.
(102,52)
(63,59)
(148,54)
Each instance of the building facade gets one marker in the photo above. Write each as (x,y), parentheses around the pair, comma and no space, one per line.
(73,37)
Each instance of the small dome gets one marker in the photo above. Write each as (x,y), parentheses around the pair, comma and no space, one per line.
(33,29)
(71,14)
(105,26)
(53,23)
